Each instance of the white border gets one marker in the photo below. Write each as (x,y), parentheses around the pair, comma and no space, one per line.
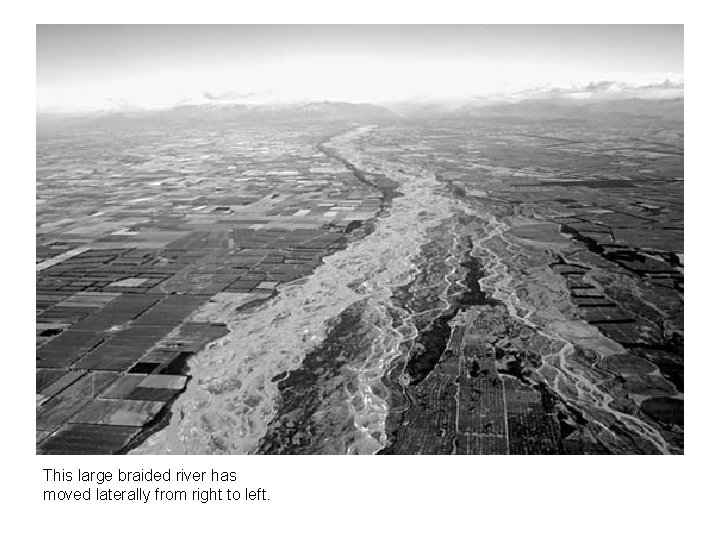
(339,497)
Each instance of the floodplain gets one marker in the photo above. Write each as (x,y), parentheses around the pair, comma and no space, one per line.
(454,285)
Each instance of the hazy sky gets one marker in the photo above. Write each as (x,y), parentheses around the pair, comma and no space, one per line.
(95,67)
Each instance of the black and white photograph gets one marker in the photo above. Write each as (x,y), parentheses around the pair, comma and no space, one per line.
(360,239)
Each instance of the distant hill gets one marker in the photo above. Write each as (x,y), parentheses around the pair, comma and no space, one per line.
(214,114)
(324,110)
(552,108)
(579,109)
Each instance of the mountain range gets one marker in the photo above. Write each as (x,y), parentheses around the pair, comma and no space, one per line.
(549,104)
